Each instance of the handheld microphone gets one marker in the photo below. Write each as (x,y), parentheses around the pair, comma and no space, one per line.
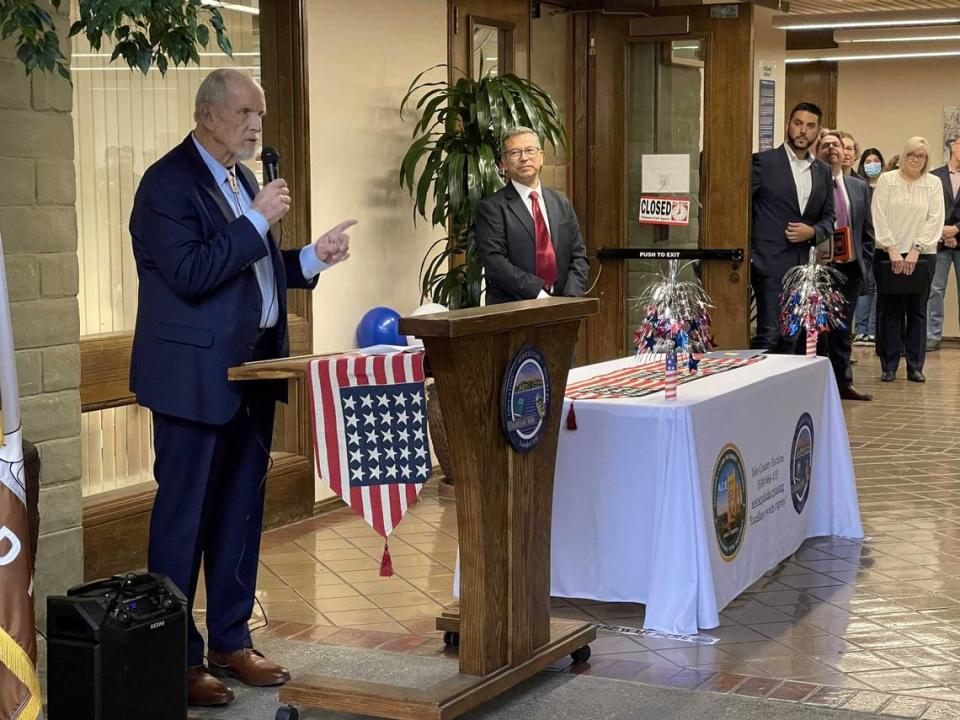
(271,161)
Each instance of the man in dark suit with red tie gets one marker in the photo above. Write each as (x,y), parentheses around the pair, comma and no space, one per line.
(212,295)
(528,235)
(792,208)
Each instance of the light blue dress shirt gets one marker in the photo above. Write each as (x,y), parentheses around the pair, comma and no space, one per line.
(310,264)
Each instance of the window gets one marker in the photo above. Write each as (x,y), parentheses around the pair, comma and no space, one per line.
(123,121)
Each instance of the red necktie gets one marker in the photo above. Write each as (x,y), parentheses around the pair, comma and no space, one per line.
(546,257)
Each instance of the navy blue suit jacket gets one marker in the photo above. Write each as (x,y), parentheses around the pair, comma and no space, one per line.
(774,195)
(199,300)
(861,225)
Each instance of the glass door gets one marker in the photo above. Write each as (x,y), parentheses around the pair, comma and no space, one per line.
(664,152)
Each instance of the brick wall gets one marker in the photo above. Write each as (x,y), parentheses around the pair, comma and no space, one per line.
(39,229)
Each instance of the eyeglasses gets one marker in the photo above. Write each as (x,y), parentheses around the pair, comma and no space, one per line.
(916,156)
(526,152)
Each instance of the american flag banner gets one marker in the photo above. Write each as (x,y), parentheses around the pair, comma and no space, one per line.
(370,425)
(812,336)
(670,377)
(637,381)
(20,697)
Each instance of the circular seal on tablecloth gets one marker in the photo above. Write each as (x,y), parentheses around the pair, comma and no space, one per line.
(801,462)
(729,501)
(525,399)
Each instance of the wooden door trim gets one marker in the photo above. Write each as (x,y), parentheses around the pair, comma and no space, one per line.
(725,184)
(508,27)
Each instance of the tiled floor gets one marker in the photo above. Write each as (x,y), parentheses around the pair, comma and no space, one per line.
(872,626)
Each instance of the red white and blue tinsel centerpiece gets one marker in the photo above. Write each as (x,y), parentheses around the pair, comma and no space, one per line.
(675,321)
(810,301)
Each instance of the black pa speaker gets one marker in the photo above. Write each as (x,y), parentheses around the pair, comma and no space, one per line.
(117,649)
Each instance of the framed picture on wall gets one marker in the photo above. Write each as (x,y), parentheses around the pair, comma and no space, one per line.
(951,128)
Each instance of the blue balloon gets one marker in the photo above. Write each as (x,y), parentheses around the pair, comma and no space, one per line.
(380,326)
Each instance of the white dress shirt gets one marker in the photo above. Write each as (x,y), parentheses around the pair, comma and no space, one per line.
(908,213)
(802,175)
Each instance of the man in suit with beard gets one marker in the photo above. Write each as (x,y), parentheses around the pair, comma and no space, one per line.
(792,211)
(212,295)
(528,235)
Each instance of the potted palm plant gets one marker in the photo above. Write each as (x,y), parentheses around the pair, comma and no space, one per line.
(453,161)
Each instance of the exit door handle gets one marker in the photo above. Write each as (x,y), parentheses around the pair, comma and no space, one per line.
(732,255)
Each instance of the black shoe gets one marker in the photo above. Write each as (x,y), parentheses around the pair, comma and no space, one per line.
(888,375)
(915,376)
(851,393)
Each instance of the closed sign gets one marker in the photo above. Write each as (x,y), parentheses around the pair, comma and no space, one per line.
(664,211)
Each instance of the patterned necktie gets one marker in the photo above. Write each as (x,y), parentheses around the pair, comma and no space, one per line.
(840,204)
(546,257)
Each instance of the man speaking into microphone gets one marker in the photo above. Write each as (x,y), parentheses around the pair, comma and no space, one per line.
(213,295)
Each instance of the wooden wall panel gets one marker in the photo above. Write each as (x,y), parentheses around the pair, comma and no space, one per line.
(816,83)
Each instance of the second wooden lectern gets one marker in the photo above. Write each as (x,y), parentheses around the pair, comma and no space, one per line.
(500,372)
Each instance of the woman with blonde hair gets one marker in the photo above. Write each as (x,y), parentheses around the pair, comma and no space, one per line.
(908,220)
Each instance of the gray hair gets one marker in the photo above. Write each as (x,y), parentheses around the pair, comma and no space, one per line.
(213,89)
(514,132)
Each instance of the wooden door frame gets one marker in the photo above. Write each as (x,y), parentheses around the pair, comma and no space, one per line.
(726,182)
(116,523)
(500,13)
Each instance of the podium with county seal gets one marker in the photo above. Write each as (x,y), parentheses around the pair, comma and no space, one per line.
(500,373)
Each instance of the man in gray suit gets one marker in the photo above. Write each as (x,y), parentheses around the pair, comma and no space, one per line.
(851,199)
(528,235)
(948,253)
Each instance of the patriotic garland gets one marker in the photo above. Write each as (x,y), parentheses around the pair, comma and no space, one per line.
(676,318)
(810,301)
(675,321)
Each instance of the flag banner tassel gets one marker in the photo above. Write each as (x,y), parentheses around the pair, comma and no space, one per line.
(571,418)
(386,563)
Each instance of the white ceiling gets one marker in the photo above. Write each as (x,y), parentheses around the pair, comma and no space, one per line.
(831,6)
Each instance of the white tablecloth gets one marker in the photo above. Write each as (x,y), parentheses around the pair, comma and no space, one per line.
(633,509)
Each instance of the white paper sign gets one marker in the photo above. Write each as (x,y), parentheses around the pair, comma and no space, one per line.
(664,211)
(665,174)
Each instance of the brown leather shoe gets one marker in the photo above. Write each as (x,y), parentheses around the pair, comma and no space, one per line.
(249,666)
(851,393)
(203,689)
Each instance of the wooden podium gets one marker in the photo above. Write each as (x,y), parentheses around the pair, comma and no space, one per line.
(504,504)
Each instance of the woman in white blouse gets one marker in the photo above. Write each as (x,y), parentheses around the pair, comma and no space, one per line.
(908,220)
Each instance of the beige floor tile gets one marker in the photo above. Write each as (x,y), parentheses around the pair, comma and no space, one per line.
(358,617)
(356,602)
(400,599)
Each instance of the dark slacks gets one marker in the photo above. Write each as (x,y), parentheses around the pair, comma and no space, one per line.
(209,509)
(902,322)
(837,344)
(766,291)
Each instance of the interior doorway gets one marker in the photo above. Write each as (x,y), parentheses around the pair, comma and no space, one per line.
(667,106)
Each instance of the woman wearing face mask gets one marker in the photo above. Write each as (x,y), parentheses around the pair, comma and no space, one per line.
(871,165)
(908,213)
